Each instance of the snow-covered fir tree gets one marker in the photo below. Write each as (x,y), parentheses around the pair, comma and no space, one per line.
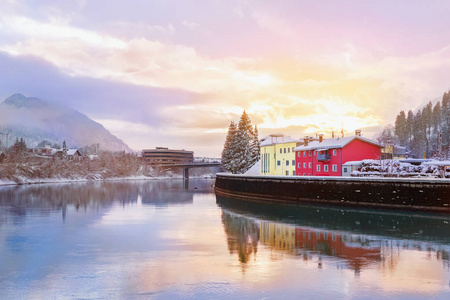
(426,132)
(241,148)
(255,146)
(228,149)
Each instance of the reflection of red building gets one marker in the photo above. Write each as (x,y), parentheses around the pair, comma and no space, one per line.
(352,250)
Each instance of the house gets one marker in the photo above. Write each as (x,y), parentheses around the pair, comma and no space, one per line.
(69,154)
(326,157)
(277,154)
(395,152)
(40,151)
(73,154)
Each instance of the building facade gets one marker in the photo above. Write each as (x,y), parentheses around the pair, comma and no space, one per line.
(166,156)
(277,155)
(325,157)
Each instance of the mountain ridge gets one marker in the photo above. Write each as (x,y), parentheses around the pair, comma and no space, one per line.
(35,119)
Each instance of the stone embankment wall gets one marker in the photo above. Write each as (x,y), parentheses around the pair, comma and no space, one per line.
(392,193)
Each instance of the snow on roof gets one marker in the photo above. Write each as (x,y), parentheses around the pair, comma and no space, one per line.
(353,163)
(71,151)
(273,139)
(333,143)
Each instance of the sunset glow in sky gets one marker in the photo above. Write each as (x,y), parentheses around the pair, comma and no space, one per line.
(175,73)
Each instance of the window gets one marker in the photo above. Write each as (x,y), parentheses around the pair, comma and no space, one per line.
(287,173)
(287,163)
(304,153)
(309,165)
(345,169)
(318,168)
(289,150)
(281,150)
(278,163)
(304,165)
(284,150)
(315,152)
(293,162)
(298,153)
(293,149)
(334,168)
(325,168)
(304,174)
(309,174)
(299,165)
(334,152)
(293,173)
(309,153)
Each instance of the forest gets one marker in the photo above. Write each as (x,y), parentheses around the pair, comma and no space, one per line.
(426,132)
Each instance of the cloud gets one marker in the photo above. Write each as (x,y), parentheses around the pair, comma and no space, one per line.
(274,24)
(190,25)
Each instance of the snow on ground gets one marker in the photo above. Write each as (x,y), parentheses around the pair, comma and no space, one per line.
(254,170)
(24,180)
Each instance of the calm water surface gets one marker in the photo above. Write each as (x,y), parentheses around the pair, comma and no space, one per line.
(176,240)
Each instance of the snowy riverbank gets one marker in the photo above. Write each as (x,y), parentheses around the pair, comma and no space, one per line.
(23,181)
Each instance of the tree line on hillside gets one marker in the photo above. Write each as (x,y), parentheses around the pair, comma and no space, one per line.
(241,149)
(425,132)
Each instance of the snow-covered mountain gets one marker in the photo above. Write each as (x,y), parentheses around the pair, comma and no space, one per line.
(35,120)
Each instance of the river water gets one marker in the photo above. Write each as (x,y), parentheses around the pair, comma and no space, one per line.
(174,239)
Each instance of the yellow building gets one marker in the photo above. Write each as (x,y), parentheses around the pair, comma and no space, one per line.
(278,236)
(277,155)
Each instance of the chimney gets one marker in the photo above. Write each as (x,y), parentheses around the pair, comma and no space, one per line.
(358,132)
(320,138)
(342,132)
(332,134)
(305,141)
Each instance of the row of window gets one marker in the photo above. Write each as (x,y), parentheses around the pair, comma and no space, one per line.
(287,162)
(283,150)
(325,167)
(299,153)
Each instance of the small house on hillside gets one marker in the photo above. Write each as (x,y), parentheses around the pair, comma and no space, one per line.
(69,154)
(73,154)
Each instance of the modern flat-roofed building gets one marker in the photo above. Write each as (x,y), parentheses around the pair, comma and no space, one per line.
(166,156)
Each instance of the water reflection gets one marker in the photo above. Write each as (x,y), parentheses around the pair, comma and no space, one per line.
(350,239)
(18,201)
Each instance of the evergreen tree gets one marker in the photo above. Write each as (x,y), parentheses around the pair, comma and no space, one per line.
(241,148)
(243,140)
(255,147)
(409,126)
(18,151)
(401,129)
(445,119)
(229,148)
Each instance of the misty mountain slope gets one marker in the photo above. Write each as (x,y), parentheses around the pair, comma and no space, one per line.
(35,120)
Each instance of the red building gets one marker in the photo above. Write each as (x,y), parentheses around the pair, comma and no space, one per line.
(325,157)
(352,248)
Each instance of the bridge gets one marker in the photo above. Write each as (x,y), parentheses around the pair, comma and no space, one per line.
(188,166)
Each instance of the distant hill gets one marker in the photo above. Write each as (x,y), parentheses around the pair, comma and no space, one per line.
(35,120)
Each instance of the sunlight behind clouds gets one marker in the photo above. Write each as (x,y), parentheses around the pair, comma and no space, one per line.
(281,65)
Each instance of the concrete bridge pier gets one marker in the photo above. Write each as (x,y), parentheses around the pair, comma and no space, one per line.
(186,173)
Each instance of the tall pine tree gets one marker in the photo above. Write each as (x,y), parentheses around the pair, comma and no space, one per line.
(229,148)
(241,148)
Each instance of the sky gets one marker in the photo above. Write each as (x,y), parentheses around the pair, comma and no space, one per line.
(176,73)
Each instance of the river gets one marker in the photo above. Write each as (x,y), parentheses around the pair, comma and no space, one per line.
(173,239)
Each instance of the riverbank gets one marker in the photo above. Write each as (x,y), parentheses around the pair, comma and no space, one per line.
(108,167)
(419,194)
